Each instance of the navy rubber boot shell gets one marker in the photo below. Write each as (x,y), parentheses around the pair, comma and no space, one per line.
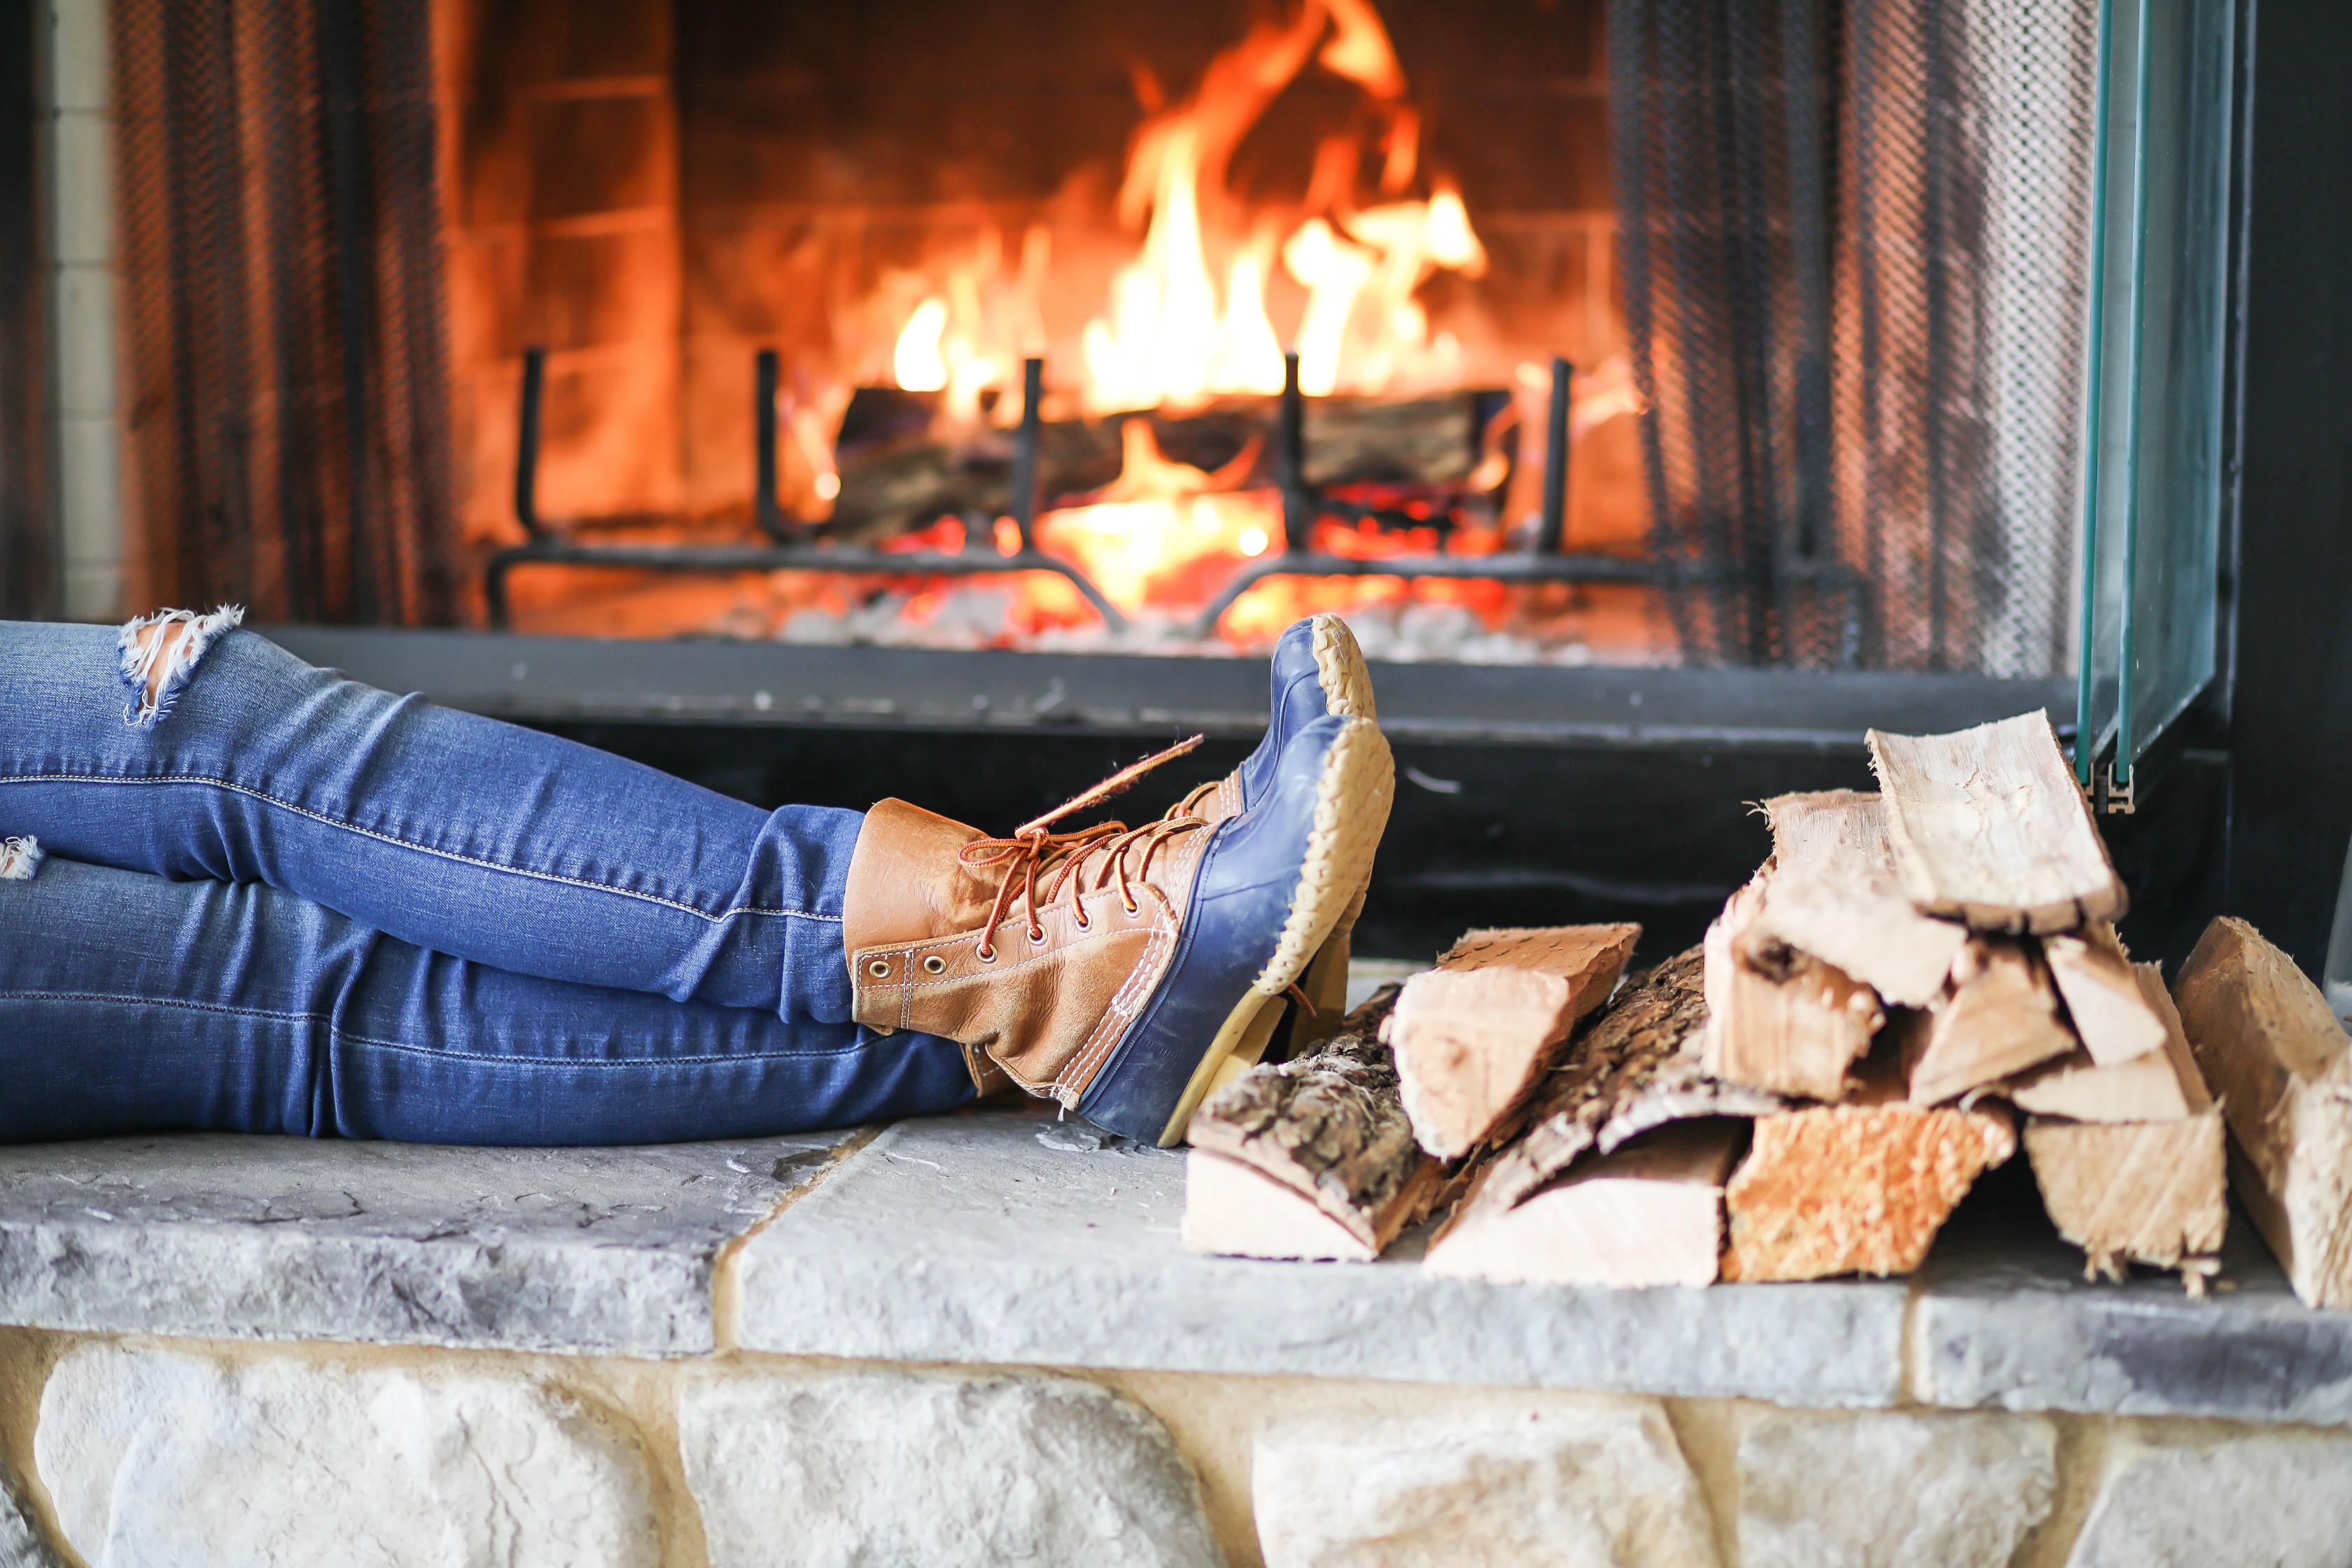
(1243,894)
(1298,701)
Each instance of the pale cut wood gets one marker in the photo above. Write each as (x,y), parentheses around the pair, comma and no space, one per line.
(2282,1067)
(2110,1013)
(1472,1037)
(2152,1192)
(1636,1069)
(1651,1213)
(1990,828)
(1329,1127)
(1855,1189)
(1834,892)
(1238,1211)
(2162,1085)
(1780,1019)
(2002,1018)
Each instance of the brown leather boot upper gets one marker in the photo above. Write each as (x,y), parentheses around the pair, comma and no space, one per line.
(1034,952)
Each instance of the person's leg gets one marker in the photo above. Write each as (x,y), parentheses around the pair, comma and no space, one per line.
(210,752)
(129,1003)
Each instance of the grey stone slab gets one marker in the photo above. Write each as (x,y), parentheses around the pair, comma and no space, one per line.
(599,1250)
(1008,1238)
(2006,1319)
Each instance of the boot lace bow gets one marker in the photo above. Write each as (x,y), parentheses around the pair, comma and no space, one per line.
(1061,859)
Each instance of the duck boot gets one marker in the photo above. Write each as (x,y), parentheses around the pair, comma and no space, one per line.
(1317,669)
(1122,972)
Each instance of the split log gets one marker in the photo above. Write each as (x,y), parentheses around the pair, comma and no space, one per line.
(1990,828)
(1330,1128)
(2002,1018)
(2154,1192)
(892,480)
(1781,1019)
(2280,1063)
(1637,1068)
(2162,1085)
(1833,892)
(1474,1036)
(1651,1213)
(1240,1211)
(1855,1188)
(2103,997)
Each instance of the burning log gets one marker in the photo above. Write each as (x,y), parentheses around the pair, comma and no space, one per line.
(1782,1020)
(2002,1018)
(1858,1188)
(899,481)
(1329,1146)
(1990,828)
(2282,1066)
(1473,1035)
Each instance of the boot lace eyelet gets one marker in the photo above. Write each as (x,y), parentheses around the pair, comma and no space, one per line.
(935,965)
(1037,937)
(985,954)
(879,968)
(1132,907)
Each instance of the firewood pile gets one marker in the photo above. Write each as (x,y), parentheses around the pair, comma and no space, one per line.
(1910,976)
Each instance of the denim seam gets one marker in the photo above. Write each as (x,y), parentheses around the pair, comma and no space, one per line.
(342,1033)
(397,843)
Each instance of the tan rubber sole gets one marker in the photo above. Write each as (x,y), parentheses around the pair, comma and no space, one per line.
(1351,811)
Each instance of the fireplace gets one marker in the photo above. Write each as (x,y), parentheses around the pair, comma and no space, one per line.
(1781,369)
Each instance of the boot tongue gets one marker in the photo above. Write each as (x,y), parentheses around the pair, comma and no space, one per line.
(905,884)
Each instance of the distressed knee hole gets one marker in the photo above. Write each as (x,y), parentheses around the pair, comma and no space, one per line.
(158,652)
(19,858)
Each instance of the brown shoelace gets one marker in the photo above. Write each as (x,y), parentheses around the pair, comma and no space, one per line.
(1061,858)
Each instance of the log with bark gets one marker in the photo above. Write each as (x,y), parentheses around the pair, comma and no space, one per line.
(1990,828)
(1650,1213)
(903,479)
(1636,1070)
(1833,892)
(1861,1187)
(1780,1018)
(1328,1133)
(2272,1052)
(2001,1019)
(1473,1035)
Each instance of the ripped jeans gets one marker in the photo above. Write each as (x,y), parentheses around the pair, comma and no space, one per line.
(275,900)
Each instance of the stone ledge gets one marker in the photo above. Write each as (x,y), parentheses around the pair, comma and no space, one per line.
(1007,1238)
(201,1235)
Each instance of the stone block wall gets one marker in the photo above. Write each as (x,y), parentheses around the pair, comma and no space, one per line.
(121,1450)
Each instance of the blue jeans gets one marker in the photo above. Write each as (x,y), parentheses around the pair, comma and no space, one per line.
(289,902)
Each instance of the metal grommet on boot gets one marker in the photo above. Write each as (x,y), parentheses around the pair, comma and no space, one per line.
(935,965)
(880,969)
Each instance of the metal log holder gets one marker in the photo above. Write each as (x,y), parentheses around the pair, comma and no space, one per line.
(792,547)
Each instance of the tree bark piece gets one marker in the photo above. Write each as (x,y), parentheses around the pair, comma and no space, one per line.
(1239,1211)
(2162,1085)
(1638,1068)
(1329,1127)
(1855,1189)
(1651,1213)
(1781,1019)
(1473,1035)
(2111,1013)
(2282,1066)
(2149,1191)
(2002,1019)
(1990,828)
(1833,892)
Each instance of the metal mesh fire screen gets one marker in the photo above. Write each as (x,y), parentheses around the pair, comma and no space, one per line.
(1854,239)
(280,241)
